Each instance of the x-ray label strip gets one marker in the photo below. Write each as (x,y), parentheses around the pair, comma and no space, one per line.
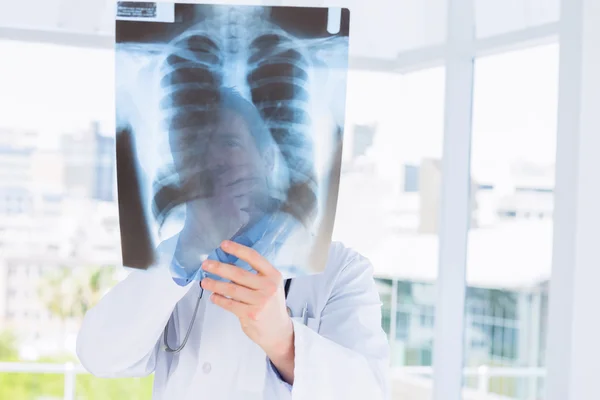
(145,11)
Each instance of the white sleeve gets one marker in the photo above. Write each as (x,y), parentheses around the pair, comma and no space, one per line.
(349,356)
(119,337)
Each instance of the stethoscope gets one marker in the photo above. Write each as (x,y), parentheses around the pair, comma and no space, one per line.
(168,348)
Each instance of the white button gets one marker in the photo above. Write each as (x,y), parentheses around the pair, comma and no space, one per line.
(206,367)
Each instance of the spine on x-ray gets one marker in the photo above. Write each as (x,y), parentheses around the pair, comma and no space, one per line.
(267,66)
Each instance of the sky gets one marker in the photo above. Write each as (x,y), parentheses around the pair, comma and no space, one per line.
(56,89)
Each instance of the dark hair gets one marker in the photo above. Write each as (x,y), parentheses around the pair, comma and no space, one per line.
(230,99)
(169,192)
(209,104)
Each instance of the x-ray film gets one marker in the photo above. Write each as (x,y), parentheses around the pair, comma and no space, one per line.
(230,125)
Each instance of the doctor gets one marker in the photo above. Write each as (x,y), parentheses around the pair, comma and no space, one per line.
(237,336)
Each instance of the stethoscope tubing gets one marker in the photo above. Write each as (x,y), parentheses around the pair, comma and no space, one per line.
(169,349)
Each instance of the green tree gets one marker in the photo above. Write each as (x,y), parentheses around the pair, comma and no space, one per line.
(92,284)
(69,292)
(8,346)
(23,386)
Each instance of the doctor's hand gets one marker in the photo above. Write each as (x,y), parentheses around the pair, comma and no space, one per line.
(258,300)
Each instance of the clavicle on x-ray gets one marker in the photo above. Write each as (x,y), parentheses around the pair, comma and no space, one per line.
(230,123)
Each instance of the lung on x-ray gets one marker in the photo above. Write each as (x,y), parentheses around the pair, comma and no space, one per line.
(230,124)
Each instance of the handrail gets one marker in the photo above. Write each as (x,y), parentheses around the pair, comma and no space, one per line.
(41,368)
(483,374)
(508,372)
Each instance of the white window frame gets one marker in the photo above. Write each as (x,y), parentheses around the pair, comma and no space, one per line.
(573,328)
(455,204)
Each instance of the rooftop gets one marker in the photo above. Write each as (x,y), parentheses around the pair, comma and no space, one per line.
(511,255)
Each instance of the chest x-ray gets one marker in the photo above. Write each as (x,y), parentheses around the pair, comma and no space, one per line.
(230,123)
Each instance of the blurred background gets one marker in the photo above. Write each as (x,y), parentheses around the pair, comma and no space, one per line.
(417,68)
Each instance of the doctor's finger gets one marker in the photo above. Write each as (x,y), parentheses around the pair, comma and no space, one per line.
(239,188)
(233,291)
(234,274)
(240,310)
(252,257)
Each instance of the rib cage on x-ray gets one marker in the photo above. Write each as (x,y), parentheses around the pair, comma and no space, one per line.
(170,78)
(268,67)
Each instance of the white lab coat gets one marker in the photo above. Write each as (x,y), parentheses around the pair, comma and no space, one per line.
(341,353)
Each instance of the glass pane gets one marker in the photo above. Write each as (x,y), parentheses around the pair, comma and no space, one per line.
(496,17)
(510,242)
(59,233)
(415,323)
(385,288)
(388,202)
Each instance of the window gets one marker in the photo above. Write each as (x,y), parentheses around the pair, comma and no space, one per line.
(45,105)
(426,320)
(403,324)
(363,139)
(510,245)
(389,195)
(385,292)
(411,178)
